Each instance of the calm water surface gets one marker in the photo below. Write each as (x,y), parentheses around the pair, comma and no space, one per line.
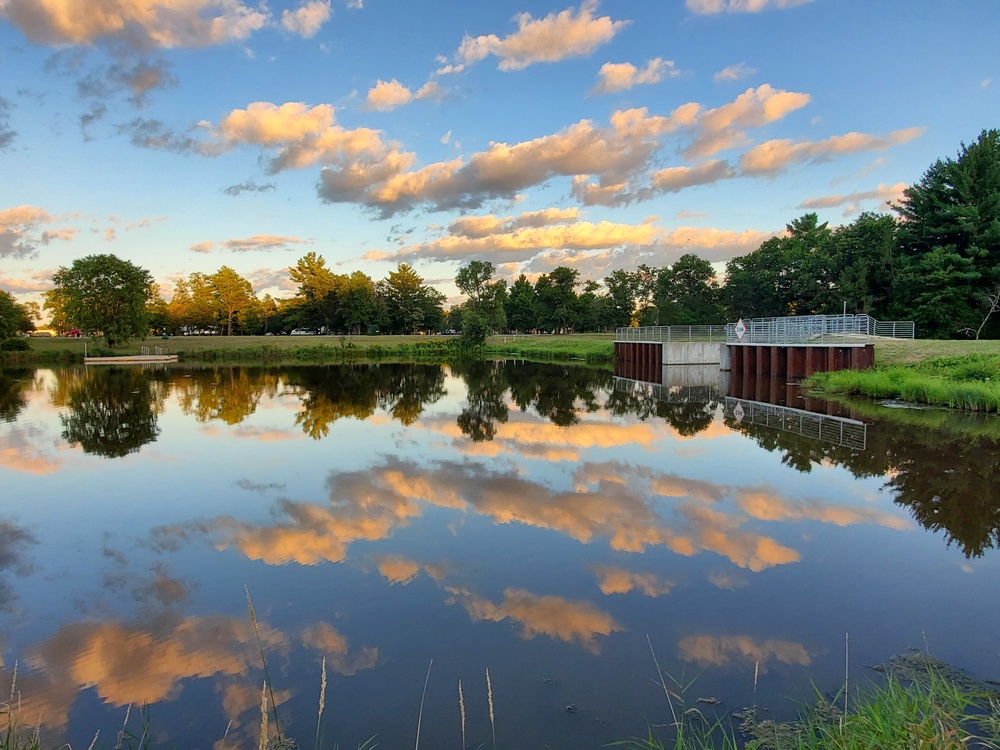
(538,521)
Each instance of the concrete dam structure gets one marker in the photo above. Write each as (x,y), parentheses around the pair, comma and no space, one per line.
(794,347)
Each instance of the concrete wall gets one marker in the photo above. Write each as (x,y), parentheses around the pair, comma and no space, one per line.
(696,353)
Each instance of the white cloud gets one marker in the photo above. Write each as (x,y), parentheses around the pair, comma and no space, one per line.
(21,231)
(883,194)
(736,72)
(714,7)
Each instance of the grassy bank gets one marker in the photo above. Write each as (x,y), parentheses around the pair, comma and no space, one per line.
(932,707)
(278,349)
(968,381)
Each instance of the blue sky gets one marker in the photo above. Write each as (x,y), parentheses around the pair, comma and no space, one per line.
(185,135)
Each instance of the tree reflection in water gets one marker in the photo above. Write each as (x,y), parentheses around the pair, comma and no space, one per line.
(13,382)
(357,390)
(112,411)
(940,465)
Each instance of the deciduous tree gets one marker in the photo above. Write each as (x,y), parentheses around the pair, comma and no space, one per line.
(103,294)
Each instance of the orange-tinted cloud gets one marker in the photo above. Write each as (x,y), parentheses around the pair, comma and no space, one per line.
(764,504)
(305,136)
(400,570)
(372,504)
(327,640)
(263,242)
(388,95)
(615,580)
(165,23)
(27,448)
(526,242)
(621,76)
(722,650)
(774,156)
(563,619)
(308,19)
(724,127)
(137,664)
(556,37)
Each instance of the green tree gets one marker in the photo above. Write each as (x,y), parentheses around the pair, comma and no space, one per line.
(233,295)
(621,286)
(521,306)
(104,294)
(556,298)
(203,311)
(410,305)
(486,297)
(14,317)
(954,210)
(357,308)
(644,280)
(179,307)
(810,267)
(159,315)
(318,291)
(588,308)
(687,293)
(865,252)
(474,330)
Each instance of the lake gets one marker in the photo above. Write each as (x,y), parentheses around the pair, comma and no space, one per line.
(548,523)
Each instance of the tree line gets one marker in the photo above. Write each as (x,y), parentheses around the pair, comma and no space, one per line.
(935,261)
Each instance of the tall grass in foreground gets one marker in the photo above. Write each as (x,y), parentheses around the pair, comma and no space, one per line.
(923,706)
(970,382)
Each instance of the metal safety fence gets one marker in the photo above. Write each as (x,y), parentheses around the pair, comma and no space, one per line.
(668,334)
(848,433)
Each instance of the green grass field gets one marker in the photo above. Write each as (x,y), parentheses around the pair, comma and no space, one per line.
(593,347)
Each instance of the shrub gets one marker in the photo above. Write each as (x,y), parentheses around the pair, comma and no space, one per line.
(14,345)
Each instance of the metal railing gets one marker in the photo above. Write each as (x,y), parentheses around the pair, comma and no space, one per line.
(816,329)
(848,433)
(668,334)
(797,329)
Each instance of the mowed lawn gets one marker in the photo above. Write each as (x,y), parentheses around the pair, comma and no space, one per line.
(887,351)
(180,344)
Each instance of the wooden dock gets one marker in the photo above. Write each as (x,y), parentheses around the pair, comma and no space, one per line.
(135,359)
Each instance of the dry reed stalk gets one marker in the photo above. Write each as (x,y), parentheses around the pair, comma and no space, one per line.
(663,683)
(420,715)
(260,647)
(262,745)
(846,665)
(461,710)
(322,701)
(94,741)
(756,674)
(489,698)
(13,683)
(121,732)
